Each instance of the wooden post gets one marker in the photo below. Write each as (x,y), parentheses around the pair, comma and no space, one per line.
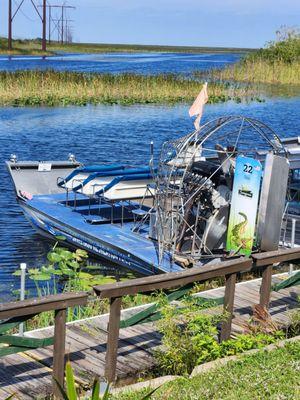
(265,288)
(112,340)
(228,306)
(59,350)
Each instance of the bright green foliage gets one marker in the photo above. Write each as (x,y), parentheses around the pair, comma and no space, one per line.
(70,382)
(285,49)
(66,271)
(294,315)
(190,338)
(265,375)
(71,392)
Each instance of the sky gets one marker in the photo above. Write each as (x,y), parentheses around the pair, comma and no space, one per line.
(229,23)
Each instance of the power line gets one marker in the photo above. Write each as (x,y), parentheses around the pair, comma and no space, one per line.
(63,7)
(63,29)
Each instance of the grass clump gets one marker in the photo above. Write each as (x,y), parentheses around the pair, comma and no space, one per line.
(50,88)
(264,375)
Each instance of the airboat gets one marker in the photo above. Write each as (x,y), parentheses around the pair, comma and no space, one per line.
(215,193)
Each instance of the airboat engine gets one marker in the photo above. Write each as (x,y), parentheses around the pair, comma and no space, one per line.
(209,195)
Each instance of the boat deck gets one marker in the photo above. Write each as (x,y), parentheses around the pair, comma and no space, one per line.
(115,242)
(29,375)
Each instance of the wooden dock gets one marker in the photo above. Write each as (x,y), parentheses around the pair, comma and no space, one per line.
(29,374)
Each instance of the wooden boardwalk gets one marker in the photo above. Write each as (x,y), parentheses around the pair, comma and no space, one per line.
(29,375)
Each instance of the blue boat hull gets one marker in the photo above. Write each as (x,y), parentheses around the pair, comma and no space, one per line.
(52,228)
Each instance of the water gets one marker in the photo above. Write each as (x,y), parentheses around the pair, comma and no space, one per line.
(101,134)
(141,63)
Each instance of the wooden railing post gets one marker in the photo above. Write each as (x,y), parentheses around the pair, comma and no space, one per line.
(228,306)
(112,340)
(59,350)
(265,288)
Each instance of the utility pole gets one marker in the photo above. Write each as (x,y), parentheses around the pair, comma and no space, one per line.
(49,24)
(9,25)
(62,25)
(44,40)
(57,28)
(60,22)
(12,15)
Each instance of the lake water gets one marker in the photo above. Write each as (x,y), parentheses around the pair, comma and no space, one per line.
(141,63)
(101,134)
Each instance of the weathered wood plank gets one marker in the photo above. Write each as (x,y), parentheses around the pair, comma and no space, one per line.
(228,305)
(113,338)
(59,351)
(38,305)
(272,257)
(265,289)
(173,279)
(24,376)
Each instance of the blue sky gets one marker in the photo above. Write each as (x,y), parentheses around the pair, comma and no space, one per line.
(237,23)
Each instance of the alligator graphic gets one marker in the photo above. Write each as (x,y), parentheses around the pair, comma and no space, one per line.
(237,233)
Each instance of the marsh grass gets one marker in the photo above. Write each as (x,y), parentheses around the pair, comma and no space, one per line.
(259,71)
(35,88)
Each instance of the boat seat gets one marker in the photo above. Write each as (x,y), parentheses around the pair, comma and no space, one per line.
(86,207)
(105,169)
(139,212)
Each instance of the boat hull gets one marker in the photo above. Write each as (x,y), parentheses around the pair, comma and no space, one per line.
(52,228)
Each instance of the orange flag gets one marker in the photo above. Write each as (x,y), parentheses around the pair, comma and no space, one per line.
(197,107)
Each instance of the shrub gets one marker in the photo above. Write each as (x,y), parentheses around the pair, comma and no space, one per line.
(190,338)
(286,48)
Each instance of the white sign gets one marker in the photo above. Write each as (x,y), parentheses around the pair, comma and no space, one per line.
(44,167)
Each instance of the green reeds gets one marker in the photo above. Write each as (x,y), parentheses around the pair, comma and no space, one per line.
(260,71)
(50,88)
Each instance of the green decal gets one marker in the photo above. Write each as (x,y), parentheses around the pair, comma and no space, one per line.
(244,203)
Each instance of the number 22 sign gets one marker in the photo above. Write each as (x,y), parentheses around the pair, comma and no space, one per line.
(244,204)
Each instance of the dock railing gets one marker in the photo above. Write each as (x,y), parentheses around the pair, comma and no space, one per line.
(114,292)
(228,269)
(14,313)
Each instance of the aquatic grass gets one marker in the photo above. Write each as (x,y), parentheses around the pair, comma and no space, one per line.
(258,71)
(277,63)
(50,88)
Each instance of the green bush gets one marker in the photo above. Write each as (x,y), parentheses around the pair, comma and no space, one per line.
(190,338)
(286,48)
(294,328)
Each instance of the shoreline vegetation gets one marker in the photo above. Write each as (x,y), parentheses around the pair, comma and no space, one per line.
(272,71)
(51,88)
(33,47)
